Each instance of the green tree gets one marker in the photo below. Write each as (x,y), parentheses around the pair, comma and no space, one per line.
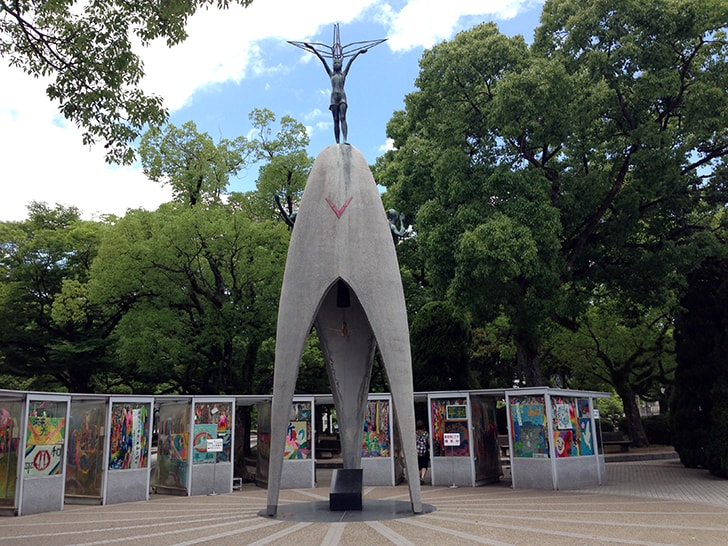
(594,158)
(632,355)
(52,335)
(197,169)
(493,355)
(415,278)
(87,52)
(312,376)
(201,285)
(199,277)
(441,339)
(284,169)
(219,268)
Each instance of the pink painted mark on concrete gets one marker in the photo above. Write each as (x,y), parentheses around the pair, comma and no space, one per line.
(338,211)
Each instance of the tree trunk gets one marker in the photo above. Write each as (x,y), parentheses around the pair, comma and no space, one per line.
(634,423)
(527,349)
(243,420)
(246,387)
(664,401)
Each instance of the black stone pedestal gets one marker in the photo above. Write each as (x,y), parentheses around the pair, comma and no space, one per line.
(346,487)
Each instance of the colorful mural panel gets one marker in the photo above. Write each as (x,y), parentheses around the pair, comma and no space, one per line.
(84,467)
(43,460)
(529,426)
(564,443)
(202,433)
(301,411)
(586,437)
(45,438)
(10,412)
(441,425)
(584,410)
(45,430)
(298,441)
(564,426)
(298,436)
(376,441)
(129,438)
(572,427)
(219,414)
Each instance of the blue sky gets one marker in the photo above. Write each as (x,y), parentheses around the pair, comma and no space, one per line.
(233,62)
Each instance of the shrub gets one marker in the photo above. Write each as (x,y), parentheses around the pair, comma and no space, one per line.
(657,429)
(607,425)
(610,409)
(701,345)
(690,426)
(717,448)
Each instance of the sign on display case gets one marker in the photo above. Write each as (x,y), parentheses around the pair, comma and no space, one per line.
(456,412)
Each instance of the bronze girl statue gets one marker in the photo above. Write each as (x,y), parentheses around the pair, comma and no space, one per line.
(337,54)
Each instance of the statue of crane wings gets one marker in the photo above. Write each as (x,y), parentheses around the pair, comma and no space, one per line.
(337,51)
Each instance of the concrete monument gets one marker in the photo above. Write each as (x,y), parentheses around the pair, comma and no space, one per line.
(342,277)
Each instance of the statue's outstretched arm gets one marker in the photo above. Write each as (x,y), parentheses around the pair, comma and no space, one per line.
(348,65)
(316,52)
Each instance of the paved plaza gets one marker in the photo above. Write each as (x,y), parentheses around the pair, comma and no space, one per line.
(646,502)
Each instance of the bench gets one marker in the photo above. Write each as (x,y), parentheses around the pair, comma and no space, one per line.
(326,447)
(616,439)
(504,445)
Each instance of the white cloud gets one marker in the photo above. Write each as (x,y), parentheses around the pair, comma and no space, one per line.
(387,146)
(423,23)
(314,114)
(324,126)
(43,159)
(223,45)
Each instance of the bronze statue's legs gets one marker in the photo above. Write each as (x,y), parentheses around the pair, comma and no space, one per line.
(339,113)
(342,117)
(335,113)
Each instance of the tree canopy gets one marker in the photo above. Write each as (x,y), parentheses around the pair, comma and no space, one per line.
(200,286)
(180,299)
(441,340)
(197,169)
(285,164)
(592,160)
(52,334)
(630,353)
(86,50)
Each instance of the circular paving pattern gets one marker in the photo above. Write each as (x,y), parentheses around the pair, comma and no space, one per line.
(656,502)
